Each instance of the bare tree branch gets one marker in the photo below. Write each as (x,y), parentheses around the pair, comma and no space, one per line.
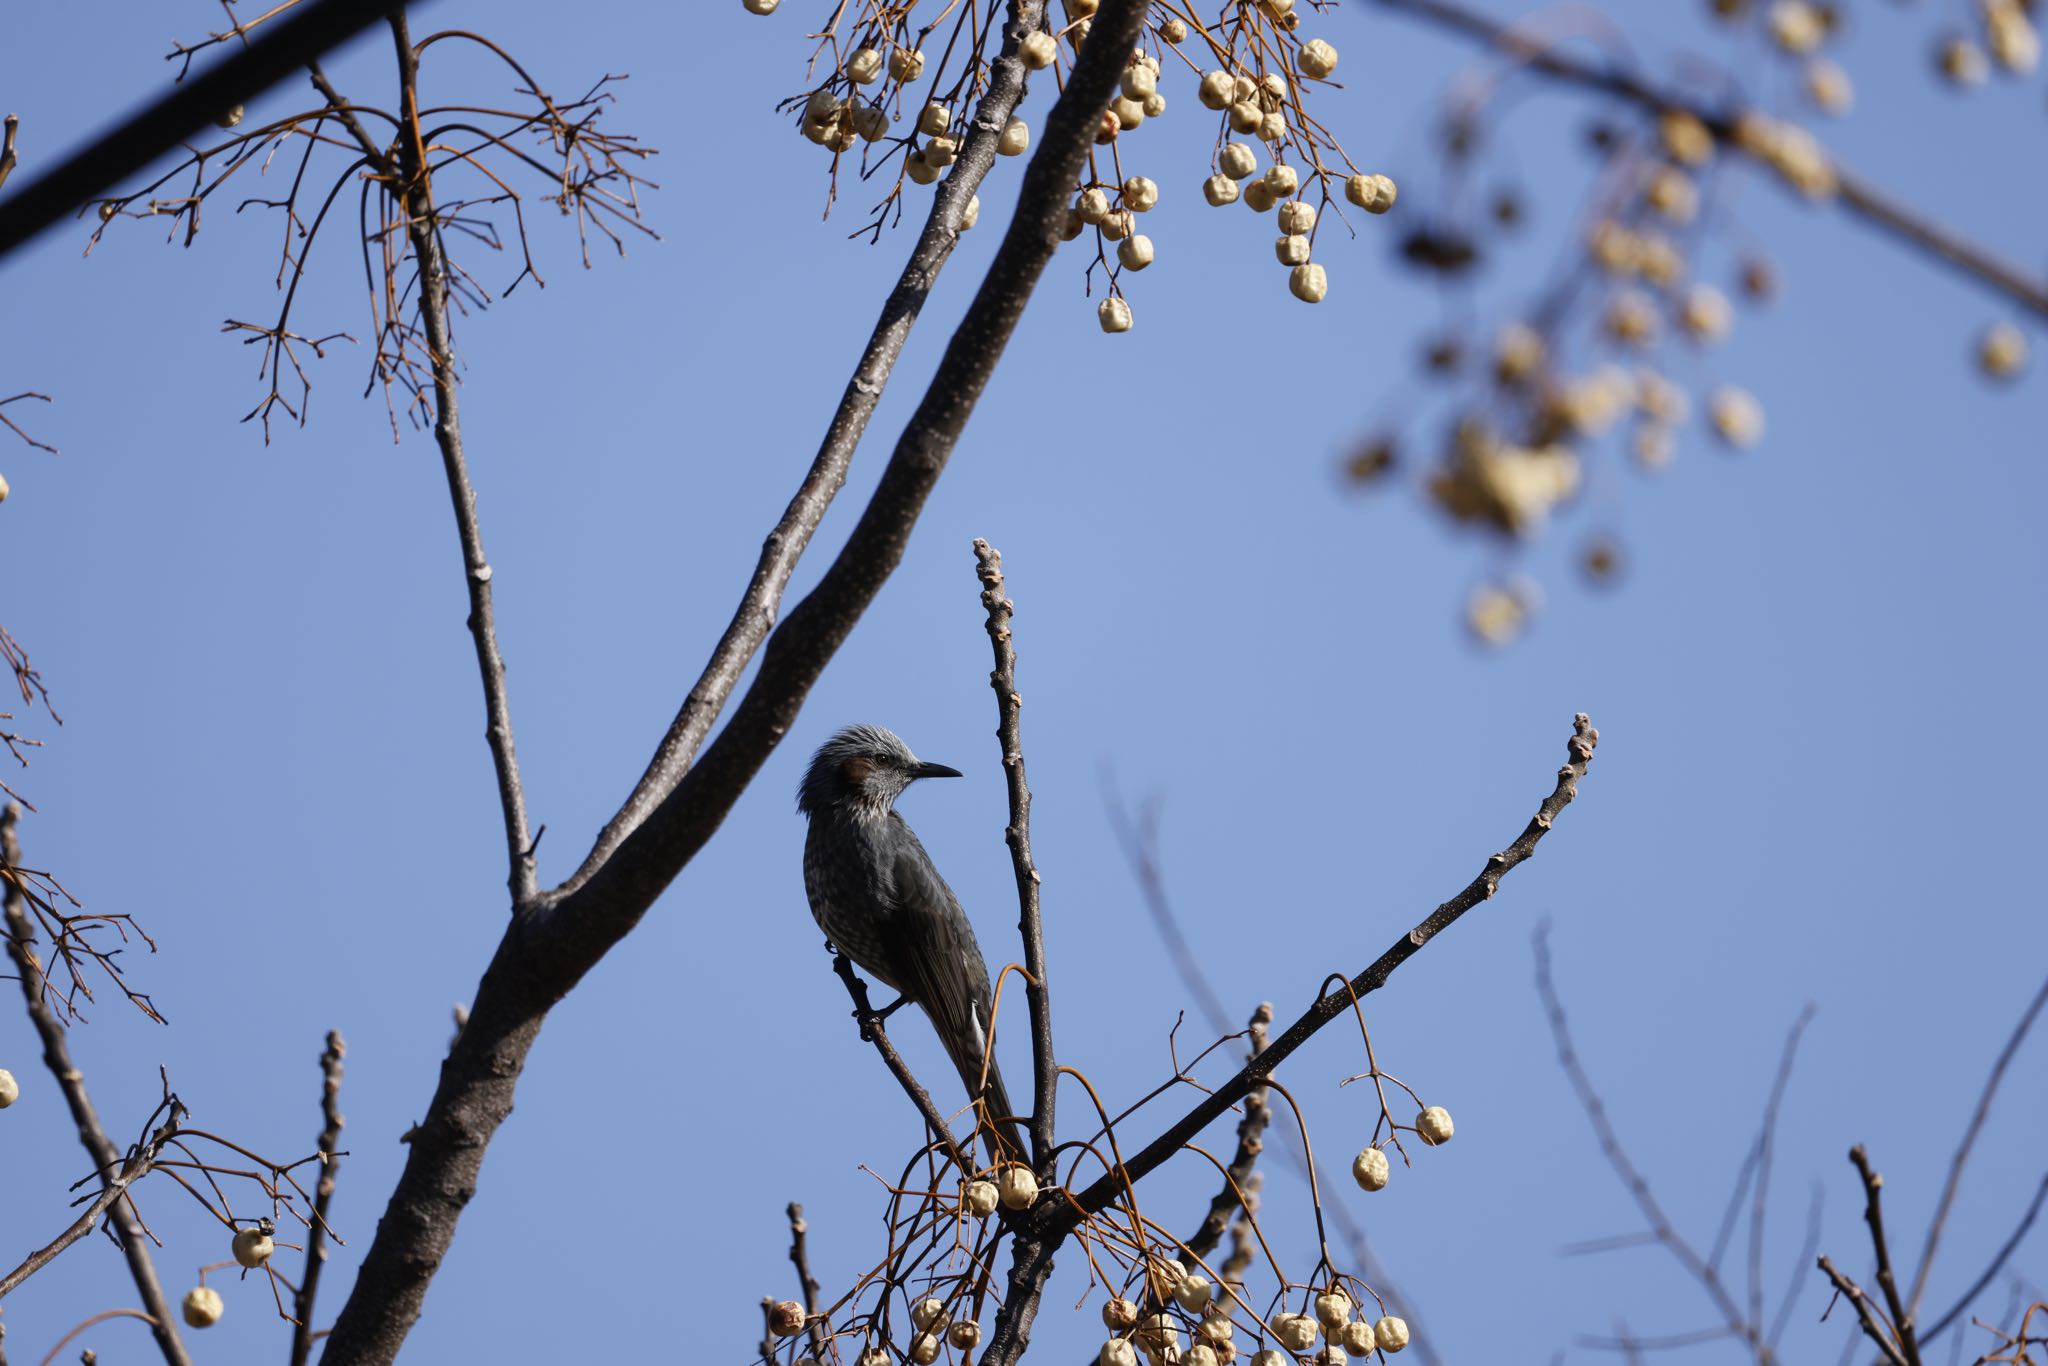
(107,1159)
(1970,1132)
(323,1195)
(1017,834)
(424,229)
(1998,1261)
(126,148)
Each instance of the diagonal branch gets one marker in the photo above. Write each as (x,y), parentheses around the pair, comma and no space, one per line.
(554,940)
(1017,834)
(107,1159)
(1970,1132)
(1333,1004)
(121,151)
(759,605)
(1859,196)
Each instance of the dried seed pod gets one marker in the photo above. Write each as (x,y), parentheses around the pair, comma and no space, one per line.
(1237,160)
(1173,31)
(981,1198)
(934,119)
(1309,283)
(1119,1315)
(10,1089)
(2001,354)
(906,64)
(1373,193)
(864,67)
(964,1335)
(1093,205)
(1141,193)
(1116,1352)
(761,6)
(1038,50)
(1317,59)
(822,106)
(252,1247)
(1281,181)
(1017,1185)
(1138,81)
(1135,252)
(1296,1332)
(1246,117)
(1736,416)
(1219,190)
(1154,105)
(941,152)
(1217,90)
(1391,1333)
(1258,196)
(1333,1309)
(1356,1337)
(1014,139)
(1194,1291)
(1114,315)
(927,1312)
(920,171)
(1291,250)
(203,1306)
(871,123)
(1129,113)
(1118,225)
(1370,1168)
(1297,216)
(924,1349)
(786,1318)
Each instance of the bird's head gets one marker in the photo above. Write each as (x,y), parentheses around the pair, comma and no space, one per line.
(862,770)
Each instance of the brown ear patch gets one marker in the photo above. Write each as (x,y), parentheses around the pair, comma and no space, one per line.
(857,770)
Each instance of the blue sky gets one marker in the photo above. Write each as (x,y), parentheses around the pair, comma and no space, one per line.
(1817,689)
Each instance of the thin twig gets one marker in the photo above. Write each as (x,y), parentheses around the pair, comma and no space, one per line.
(323,1195)
(1887,1279)
(1017,834)
(1866,1313)
(1631,1176)
(1998,1262)
(107,1160)
(1970,1132)
(423,228)
(799,1257)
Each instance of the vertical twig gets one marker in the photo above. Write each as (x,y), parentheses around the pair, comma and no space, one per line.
(799,1257)
(323,1195)
(57,1058)
(1017,834)
(1887,1280)
(423,228)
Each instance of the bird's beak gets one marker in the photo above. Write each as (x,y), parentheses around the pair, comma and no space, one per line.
(934,771)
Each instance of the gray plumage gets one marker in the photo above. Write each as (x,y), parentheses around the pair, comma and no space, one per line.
(877,897)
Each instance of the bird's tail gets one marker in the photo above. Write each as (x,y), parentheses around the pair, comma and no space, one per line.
(996,1113)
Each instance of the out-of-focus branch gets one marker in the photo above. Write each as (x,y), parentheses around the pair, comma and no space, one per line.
(556,939)
(1887,1279)
(113,1173)
(1857,195)
(1017,834)
(318,26)
(1662,1230)
(1998,1261)
(323,1195)
(1963,1149)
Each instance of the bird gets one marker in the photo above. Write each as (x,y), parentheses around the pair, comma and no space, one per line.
(876,894)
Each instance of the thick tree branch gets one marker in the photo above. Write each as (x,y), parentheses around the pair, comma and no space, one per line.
(107,1160)
(1017,834)
(1857,195)
(554,941)
(758,607)
(315,27)
(871,1031)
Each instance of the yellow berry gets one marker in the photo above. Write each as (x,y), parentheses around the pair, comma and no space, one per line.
(203,1305)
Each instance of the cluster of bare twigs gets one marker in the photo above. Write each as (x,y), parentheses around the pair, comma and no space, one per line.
(1616,343)
(1890,1318)
(1247,61)
(209,1167)
(453,167)
(952,1206)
